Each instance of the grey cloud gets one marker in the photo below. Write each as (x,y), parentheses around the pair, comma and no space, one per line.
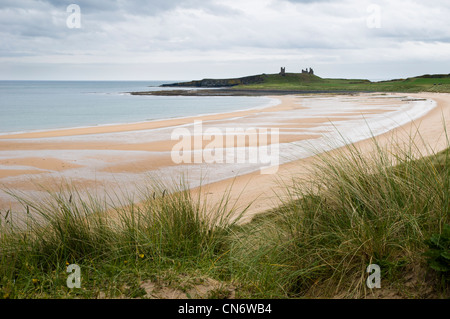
(135,7)
(27,22)
(194,29)
(307,1)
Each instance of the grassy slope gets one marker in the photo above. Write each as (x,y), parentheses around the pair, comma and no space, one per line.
(355,211)
(306,82)
(319,243)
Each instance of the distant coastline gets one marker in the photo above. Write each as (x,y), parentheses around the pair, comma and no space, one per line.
(300,83)
(238,92)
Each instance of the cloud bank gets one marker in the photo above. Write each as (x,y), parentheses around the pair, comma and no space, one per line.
(189,39)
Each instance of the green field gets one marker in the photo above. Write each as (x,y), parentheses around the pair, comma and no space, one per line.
(307,82)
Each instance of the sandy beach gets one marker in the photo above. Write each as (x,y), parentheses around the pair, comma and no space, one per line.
(263,192)
(119,157)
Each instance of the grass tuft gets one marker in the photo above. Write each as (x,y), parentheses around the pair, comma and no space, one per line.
(356,209)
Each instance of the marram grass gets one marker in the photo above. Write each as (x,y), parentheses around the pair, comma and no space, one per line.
(168,227)
(354,210)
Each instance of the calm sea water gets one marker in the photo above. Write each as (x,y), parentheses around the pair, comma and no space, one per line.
(42,105)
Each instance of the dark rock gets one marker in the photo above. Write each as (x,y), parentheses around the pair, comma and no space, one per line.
(212,83)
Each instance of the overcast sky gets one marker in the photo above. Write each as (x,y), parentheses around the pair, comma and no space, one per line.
(194,39)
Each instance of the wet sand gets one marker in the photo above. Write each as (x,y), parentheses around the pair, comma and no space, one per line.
(105,155)
(264,192)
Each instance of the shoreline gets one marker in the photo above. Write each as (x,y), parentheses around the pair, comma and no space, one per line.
(118,153)
(134,126)
(269,191)
(194,91)
(122,127)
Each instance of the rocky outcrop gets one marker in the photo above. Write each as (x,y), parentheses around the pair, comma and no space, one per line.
(213,83)
(238,92)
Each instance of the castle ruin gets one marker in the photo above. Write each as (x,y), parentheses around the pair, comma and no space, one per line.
(306,71)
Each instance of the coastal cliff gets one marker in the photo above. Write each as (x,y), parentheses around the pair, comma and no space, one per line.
(212,83)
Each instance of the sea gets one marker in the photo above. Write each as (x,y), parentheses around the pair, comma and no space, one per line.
(47,105)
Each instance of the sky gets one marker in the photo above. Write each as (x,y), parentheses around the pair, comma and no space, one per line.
(194,39)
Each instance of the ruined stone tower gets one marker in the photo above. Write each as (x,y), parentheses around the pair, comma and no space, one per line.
(283,71)
(306,71)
